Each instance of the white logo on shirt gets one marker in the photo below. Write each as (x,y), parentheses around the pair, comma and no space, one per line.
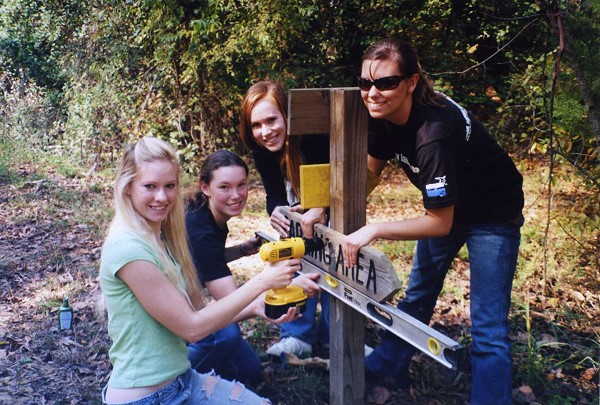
(437,189)
(404,160)
(465,115)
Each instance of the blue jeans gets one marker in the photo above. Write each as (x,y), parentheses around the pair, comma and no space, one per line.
(193,388)
(228,354)
(304,328)
(493,252)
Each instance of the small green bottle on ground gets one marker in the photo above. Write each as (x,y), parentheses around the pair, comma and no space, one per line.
(65,315)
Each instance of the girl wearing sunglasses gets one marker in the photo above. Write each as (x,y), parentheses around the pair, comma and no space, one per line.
(472,194)
(277,157)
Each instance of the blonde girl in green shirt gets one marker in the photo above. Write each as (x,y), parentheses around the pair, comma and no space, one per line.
(152,292)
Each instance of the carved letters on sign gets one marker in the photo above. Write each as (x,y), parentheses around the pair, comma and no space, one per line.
(373,275)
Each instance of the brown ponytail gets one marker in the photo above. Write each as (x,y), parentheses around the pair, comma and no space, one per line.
(408,64)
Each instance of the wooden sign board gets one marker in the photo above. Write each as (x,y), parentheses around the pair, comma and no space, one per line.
(424,338)
(373,275)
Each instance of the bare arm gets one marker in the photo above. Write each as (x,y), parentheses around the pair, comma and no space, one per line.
(221,287)
(247,248)
(165,303)
(437,222)
(224,286)
(375,165)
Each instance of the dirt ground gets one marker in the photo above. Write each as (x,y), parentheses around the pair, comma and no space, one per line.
(49,248)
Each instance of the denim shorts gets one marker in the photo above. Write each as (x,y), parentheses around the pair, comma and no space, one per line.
(189,388)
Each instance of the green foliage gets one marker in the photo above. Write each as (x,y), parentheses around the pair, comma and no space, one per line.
(540,358)
(106,72)
(584,34)
(5,159)
(25,112)
(34,37)
(395,249)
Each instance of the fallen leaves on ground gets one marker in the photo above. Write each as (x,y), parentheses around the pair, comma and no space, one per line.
(50,243)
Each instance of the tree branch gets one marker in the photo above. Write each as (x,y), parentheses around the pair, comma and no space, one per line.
(487,59)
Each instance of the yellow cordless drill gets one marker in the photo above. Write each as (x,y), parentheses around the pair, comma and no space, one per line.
(278,301)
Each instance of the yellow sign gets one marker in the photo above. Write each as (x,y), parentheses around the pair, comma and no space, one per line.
(314,185)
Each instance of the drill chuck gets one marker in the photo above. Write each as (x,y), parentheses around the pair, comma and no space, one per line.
(289,248)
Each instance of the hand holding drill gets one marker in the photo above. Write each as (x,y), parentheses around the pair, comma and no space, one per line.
(278,301)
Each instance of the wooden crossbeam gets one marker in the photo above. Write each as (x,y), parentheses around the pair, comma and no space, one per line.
(308,111)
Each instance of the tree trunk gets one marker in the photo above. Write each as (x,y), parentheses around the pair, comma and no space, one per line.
(573,61)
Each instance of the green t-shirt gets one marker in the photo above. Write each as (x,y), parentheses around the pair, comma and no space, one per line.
(143,352)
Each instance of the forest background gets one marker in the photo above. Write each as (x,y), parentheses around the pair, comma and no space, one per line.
(78,80)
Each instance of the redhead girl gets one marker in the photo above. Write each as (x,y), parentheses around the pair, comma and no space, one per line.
(277,158)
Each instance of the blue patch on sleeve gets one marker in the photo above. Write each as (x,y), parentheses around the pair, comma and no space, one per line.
(437,189)
(436,192)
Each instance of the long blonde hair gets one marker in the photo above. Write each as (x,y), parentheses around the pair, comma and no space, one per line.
(173,229)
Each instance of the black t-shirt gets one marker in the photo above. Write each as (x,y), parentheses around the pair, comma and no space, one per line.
(453,160)
(315,150)
(207,244)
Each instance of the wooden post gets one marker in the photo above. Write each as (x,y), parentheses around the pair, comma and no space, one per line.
(348,165)
(341,113)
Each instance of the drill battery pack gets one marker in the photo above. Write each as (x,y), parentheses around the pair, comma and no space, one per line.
(277,302)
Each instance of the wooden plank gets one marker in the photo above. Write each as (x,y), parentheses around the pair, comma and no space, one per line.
(374,275)
(348,176)
(308,111)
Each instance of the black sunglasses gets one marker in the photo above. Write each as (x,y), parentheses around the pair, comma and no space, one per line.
(381,84)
